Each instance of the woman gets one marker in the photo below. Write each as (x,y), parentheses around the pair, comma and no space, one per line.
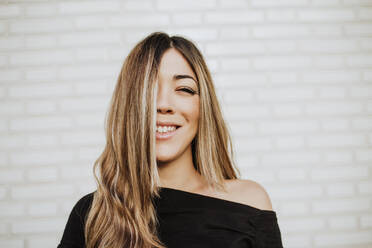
(166,176)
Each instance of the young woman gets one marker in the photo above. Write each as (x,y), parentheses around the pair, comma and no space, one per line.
(167,176)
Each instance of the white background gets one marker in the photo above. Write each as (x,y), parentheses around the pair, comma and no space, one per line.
(293,77)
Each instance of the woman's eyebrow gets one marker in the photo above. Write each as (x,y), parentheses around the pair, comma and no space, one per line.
(178,76)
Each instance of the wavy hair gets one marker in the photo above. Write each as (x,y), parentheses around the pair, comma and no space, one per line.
(123,211)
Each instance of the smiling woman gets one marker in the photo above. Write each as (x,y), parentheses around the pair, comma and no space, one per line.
(167,176)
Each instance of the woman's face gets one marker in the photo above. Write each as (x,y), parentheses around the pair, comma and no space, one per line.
(177,104)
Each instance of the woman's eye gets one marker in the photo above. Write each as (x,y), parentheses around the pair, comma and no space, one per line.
(188,90)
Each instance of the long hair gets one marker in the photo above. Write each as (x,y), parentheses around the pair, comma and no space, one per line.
(123,212)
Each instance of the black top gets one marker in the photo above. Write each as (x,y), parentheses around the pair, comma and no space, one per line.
(194,221)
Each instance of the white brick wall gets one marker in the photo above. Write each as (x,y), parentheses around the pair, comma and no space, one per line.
(294,78)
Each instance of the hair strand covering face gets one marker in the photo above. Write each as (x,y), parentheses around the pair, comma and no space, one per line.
(122,213)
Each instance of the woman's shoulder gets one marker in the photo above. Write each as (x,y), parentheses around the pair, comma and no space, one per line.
(248,192)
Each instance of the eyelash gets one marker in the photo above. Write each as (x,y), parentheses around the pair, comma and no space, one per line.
(188,90)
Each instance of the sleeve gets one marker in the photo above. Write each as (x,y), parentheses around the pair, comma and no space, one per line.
(268,232)
(73,234)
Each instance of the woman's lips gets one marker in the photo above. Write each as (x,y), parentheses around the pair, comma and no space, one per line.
(167,135)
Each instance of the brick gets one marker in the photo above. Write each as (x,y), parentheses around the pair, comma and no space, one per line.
(11,209)
(235,64)
(39,123)
(40,74)
(236,32)
(305,225)
(340,206)
(130,20)
(286,126)
(259,144)
(293,208)
(87,71)
(360,92)
(281,62)
(280,46)
(40,209)
(45,25)
(41,9)
(44,191)
(327,46)
(273,3)
(195,34)
(227,4)
(138,5)
(89,38)
(333,125)
(42,58)
(12,243)
(235,48)
(285,94)
(358,29)
(340,189)
(250,112)
(234,17)
(365,187)
(41,107)
(280,15)
(88,103)
(363,155)
(10,75)
(362,60)
(287,110)
(88,7)
(38,226)
(40,158)
(367,76)
(326,15)
(324,2)
(333,76)
(332,92)
(10,10)
(36,242)
(41,41)
(90,54)
(42,140)
(336,140)
(80,138)
(339,172)
(11,108)
(330,61)
(11,175)
(361,123)
(4,60)
(40,90)
(11,43)
(366,221)
(346,238)
(343,222)
(42,174)
(334,108)
(90,22)
(292,174)
(187,18)
(290,158)
(296,239)
(185,5)
(291,192)
(278,31)
(338,157)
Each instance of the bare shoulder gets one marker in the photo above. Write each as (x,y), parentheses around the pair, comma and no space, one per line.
(249,192)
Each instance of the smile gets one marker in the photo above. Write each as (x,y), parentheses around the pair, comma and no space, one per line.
(167,134)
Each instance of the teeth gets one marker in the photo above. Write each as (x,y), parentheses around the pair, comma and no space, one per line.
(164,129)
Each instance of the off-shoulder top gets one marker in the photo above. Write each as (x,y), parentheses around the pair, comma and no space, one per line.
(193,220)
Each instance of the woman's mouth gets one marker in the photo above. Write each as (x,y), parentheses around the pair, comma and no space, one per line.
(166,132)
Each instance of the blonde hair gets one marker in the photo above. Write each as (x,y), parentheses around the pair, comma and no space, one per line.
(122,213)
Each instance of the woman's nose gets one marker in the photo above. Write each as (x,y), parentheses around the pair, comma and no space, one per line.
(164,101)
